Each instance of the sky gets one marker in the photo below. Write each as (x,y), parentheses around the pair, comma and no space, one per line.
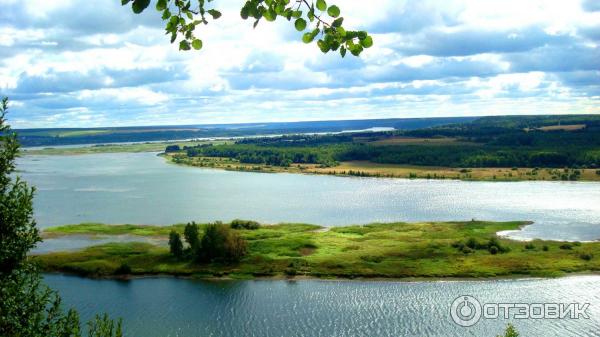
(82,63)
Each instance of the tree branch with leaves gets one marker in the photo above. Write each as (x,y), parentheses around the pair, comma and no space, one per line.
(316,20)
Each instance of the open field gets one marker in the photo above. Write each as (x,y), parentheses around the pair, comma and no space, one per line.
(392,250)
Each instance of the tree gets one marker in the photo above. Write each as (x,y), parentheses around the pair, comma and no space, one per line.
(221,243)
(182,17)
(27,307)
(191,233)
(175,244)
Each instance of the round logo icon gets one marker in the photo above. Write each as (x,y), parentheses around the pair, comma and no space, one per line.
(465,311)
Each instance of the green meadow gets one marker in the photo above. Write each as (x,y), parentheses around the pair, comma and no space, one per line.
(430,250)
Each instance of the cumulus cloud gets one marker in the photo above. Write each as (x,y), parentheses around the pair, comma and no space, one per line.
(81,63)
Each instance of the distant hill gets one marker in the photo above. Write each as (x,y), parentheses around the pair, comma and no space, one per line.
(73,136)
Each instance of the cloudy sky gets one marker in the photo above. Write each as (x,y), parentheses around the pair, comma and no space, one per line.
(82,63)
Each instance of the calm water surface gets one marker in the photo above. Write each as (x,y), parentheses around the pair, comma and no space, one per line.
(142,188)
(174,307)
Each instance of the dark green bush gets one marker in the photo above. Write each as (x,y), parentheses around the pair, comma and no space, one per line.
(244,224)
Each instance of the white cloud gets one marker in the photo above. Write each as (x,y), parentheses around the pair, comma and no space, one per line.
(69,63)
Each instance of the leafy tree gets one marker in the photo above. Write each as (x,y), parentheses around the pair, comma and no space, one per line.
(191,233)
(27,307)
(221,243)
(313,19)
(175,244)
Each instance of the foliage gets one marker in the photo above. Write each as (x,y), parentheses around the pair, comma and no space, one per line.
(183,17)
(27,307)
(220,243)
(244,224)
(510,332)
(175,244)
(191,233)
(103,326)
(172,148)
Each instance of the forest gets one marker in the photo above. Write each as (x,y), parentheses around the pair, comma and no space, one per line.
(530,141)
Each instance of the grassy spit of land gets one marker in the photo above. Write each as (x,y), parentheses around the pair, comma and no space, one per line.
(370,169)
(391,250)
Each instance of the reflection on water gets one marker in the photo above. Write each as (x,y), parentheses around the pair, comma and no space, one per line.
(142,188)
(177,307)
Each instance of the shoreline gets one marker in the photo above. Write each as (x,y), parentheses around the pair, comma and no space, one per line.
(133,277)
(363,169)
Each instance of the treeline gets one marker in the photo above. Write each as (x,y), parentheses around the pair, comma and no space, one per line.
(474,156)
(269,155)
(486,142)
(217,242)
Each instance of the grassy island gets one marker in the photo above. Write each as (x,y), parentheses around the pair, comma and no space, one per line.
(392,250)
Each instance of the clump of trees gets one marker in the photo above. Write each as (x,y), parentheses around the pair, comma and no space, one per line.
(217,242)
(172,148)
(244,224)
(492,245)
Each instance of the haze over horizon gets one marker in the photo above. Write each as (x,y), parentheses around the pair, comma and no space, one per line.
(69,64)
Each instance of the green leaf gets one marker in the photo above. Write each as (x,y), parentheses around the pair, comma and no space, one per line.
(166,14)
(367,42)
(138,6)
(337,22)
(343,51)
(300,24)
(197,44)
(244,13)
(333,11)
(323,46)
(161,5)
(308,38)
(321,5)
(184,45)
(124,2)
(214,13)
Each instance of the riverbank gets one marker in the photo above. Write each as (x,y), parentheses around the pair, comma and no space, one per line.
(370,169)
(453,250)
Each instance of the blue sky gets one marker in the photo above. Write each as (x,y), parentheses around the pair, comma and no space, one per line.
(81,63)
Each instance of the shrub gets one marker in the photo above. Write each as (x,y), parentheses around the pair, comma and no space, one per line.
(598,172)
(493,250)
(566,246)
(244,224)
(172,148)
(586,256)
(530,246)
(545,248)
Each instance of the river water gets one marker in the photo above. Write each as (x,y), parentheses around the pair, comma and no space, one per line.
(143,188)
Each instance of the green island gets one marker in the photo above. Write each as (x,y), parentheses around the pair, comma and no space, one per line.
(428,250)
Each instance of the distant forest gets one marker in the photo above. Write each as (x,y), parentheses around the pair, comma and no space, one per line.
(67,136)
(530,141)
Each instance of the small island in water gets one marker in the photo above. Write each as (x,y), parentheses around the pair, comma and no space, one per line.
(428,250)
